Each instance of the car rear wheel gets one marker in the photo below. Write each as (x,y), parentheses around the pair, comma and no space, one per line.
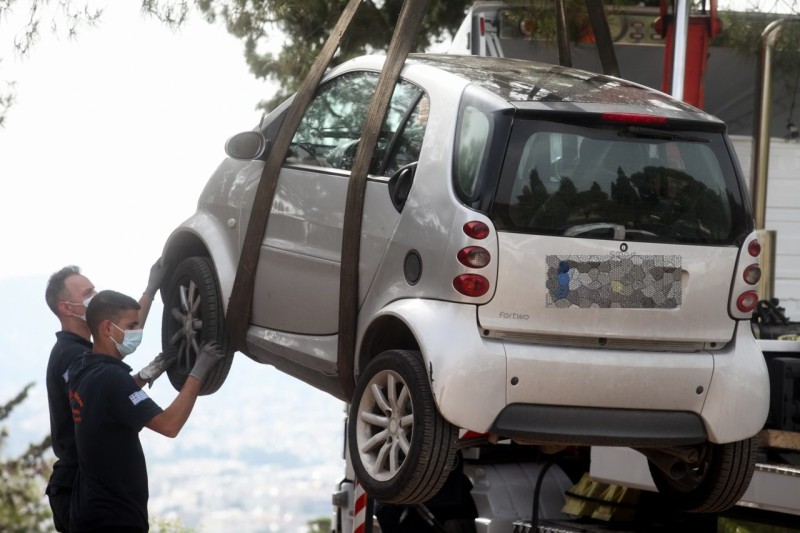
(401,448)
(715,483)
(193,315)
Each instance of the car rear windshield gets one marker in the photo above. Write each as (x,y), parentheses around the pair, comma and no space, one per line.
(623,182)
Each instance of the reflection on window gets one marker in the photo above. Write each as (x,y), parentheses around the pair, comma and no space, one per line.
(407,143)
(601,185)
(472,144)
(330,130)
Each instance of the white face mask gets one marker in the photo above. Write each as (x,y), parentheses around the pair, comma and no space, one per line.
(131,340)
(85,304)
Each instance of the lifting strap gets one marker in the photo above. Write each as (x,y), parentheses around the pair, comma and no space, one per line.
(602,37)
(403,39)
(241,300)
(562,36)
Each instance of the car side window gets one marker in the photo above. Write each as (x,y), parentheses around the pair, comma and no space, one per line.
(333,121)
(329,131)
(473,143)
(406,142)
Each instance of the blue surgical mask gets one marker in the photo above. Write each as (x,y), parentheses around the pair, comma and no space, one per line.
(131,340)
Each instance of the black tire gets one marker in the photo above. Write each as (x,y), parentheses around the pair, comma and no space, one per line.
(716,484)
(393,409)
(193,315)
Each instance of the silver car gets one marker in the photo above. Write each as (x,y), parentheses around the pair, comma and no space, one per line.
(547,255)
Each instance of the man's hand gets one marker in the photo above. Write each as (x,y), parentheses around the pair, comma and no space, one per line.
(159,365)
(210,355)
(156,277)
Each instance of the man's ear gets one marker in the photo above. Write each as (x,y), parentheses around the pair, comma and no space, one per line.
(105,328)
(63,309)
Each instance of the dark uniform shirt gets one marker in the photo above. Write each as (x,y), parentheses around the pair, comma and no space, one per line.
(109,411)
(68,348)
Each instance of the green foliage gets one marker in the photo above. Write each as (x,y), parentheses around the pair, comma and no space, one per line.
(165,525)
(306,24)
(61,18)
(64,18)
(742,32)
(173,13)
(731,525)
(319,525)
(7,97)
(23,506)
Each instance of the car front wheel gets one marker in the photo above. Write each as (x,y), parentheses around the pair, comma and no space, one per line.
(715,483)
(401,448)
(193,315)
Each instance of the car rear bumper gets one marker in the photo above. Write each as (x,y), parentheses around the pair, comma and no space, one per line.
(585,395)
(556,424)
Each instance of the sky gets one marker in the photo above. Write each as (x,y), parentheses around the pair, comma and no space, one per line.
(111,140)
(106,150)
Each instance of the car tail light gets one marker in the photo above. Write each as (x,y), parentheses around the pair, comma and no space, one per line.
(633,118)
(483,26)
(471,284)
(474,257)
(744,292)
(747,301)
(476,230)
(752,274)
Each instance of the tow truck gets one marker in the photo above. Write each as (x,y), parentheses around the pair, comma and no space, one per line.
(507,487)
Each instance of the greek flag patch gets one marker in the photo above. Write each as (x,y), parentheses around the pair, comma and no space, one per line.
(137,397)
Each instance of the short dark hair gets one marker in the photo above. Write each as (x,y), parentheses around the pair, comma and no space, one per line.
(56,285)
(108,305)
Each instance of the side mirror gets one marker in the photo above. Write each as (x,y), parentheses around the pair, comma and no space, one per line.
(246,146)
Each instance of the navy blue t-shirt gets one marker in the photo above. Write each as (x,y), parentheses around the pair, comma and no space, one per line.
(109,410)
(67,349)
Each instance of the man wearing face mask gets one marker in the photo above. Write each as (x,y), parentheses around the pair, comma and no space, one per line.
(110,409)
(67,294)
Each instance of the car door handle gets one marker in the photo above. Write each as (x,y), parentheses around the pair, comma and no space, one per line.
(400,185)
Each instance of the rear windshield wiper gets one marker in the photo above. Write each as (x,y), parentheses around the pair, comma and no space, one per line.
(649,133)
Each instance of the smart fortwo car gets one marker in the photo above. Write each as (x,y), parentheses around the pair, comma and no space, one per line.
(547,255)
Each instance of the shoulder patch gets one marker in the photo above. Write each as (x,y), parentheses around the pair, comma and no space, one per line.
(138,397)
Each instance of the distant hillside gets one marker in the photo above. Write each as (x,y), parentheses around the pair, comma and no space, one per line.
(265,451)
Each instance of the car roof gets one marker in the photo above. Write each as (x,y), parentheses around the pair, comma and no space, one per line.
(530,85)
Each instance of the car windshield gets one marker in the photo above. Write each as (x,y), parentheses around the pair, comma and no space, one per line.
(617,182)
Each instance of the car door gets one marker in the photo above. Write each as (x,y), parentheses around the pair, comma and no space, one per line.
(297,282)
